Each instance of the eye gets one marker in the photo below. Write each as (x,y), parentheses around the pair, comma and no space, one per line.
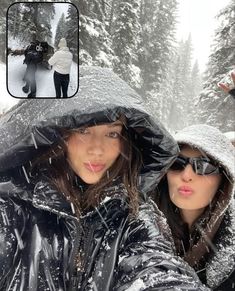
(113,134)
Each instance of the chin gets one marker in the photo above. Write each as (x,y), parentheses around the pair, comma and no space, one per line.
(90,180)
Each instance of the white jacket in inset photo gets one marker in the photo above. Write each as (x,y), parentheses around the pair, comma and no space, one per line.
(61,60)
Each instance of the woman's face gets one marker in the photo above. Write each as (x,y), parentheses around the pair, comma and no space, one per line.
(188,190)
(93,150)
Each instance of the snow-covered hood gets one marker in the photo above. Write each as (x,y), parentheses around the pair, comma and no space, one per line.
(216,145)
(30,127)
(210,140)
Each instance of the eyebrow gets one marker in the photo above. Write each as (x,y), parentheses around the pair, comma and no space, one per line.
(118,123)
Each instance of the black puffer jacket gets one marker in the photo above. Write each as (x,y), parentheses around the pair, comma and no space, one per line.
(33,54)
(39,233)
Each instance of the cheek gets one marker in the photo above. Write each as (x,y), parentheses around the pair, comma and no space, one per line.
(213,185)
(171,179)
(114,149)
(171,184)
(70,147)
(212,189)
(74,147)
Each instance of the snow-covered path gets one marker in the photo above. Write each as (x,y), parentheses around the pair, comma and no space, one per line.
(44,79)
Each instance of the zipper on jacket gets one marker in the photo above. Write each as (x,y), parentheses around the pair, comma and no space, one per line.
(80,256)
(86,243)
(73,270)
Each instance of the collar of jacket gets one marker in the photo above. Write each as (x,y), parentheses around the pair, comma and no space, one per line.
(41,194)
(48,198)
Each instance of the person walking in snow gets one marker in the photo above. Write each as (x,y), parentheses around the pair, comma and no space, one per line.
(196,196)
(74,214)
(33,56)
(61,62)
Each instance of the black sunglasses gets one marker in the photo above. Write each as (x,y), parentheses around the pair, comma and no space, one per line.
(200,165)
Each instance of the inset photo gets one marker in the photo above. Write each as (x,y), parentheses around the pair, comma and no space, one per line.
(42,50)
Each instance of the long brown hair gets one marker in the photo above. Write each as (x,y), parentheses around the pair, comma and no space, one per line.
(126,168)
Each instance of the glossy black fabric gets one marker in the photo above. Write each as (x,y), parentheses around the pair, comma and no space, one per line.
(41,237)
(39,234)
(31,126)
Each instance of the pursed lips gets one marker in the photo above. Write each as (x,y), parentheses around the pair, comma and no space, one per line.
(185,190)
(94,167)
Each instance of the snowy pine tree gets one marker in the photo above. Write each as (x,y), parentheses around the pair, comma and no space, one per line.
(72,31)
(61,30)
(216,107)
(195,87)
(125,39)
(109,12)
(181,103)
(94,40)
(158,21)
(46,12)
(13,19)
(28,29)
(156,54)
(175,101)
(36,21)
(3,12)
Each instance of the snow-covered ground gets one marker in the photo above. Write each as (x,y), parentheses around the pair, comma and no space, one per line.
(44,79)
(6,100)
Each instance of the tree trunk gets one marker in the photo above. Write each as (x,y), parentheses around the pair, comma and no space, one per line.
(111,16)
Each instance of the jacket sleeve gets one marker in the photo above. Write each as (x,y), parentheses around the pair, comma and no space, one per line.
(147,260)
(11,228)
(53,59)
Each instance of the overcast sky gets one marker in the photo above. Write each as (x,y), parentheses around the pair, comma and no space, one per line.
(198,17)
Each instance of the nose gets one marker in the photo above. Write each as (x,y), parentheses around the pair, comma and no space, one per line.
(96,146)
(187,173)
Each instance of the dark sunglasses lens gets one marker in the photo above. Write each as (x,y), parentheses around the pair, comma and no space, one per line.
(204,167)
(178,165)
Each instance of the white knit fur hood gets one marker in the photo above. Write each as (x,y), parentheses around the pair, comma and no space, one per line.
(211,141)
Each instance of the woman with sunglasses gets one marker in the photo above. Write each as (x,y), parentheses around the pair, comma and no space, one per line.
(196,196)
(74,214)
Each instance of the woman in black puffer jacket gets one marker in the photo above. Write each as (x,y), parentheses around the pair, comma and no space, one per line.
(74,174)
